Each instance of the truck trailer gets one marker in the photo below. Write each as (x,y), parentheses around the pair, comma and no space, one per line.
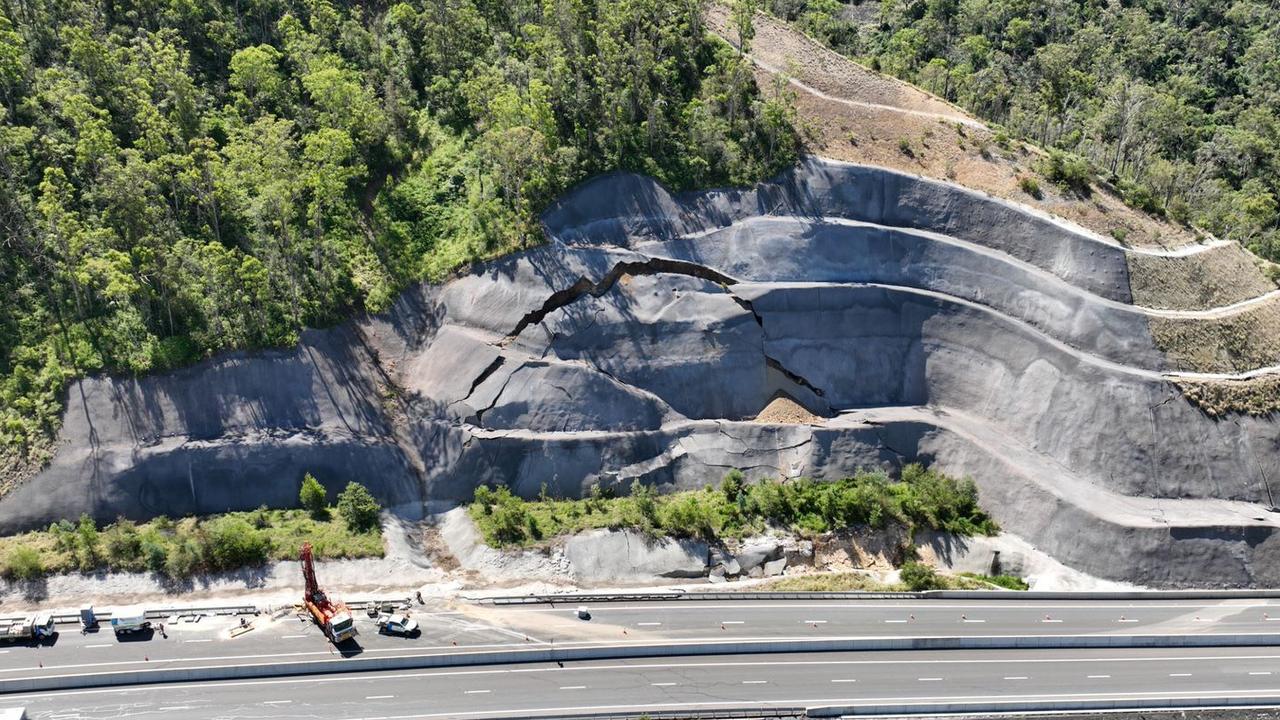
(27,629)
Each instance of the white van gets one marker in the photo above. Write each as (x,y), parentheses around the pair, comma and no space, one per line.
(129,619)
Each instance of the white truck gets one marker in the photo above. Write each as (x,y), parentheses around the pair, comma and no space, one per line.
(398,624)
(129,620)
(32,628)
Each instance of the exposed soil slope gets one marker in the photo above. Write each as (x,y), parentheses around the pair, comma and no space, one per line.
(853,113)
(924,321)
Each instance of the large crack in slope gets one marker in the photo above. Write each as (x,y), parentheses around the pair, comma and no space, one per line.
(584,287)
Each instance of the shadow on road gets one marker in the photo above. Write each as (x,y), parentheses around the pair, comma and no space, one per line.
(139,636)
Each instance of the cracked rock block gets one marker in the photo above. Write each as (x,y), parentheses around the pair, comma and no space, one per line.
(629,556)
(773,568)
(755,553)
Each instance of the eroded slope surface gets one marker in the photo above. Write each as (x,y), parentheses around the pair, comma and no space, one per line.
(914,319)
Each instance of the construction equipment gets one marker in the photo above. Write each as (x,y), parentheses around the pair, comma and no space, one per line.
(333,617)
(32,628)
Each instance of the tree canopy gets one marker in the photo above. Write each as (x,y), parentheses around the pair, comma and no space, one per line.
(180,178)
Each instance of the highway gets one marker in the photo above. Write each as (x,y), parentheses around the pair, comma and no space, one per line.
(689,619)
(479,627)
(839,679)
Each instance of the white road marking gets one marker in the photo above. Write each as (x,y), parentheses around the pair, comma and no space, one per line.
(198,641)
(291,637)
(276,702)
(98,646)
(666,684)
(843,680)
(378,697)
(1127,620)
(732,622)
(1048,620)
(1097,677)
(480,692)
(933,679)
(1260,672)
(648,624)
(975,621)
(895,621)
(170,708)
(1179,674)
(813,622)
(1015,677)
(754,682)
(573,687)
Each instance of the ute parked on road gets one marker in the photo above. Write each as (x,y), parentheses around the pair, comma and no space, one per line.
(398,624)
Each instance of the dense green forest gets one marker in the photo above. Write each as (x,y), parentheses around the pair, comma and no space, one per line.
(182,177)
(1173,101)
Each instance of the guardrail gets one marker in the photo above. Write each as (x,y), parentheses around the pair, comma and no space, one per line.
(778,713)
(690,596)
(1013,595)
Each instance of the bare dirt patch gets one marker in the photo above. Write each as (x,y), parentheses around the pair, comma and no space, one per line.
(784,410)
(1220,276)
(1236,343)
(825,70)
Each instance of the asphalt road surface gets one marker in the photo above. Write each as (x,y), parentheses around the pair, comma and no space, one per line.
(840,679)
(482,628)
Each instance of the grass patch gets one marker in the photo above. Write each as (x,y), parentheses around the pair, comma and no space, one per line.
(920,498)
(826,582)
(181,548)
(1008,582)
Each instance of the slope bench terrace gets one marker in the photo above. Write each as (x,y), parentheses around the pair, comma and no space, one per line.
(918,320)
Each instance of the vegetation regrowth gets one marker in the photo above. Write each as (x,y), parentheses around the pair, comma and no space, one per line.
(178,549)
(920,498)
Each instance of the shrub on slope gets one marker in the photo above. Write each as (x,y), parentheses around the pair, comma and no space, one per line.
(920,498)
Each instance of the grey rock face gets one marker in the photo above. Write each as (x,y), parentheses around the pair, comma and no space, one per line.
(606,555)
(758,552)
(927,323)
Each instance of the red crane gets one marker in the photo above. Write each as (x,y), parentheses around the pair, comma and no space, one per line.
(333,617)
